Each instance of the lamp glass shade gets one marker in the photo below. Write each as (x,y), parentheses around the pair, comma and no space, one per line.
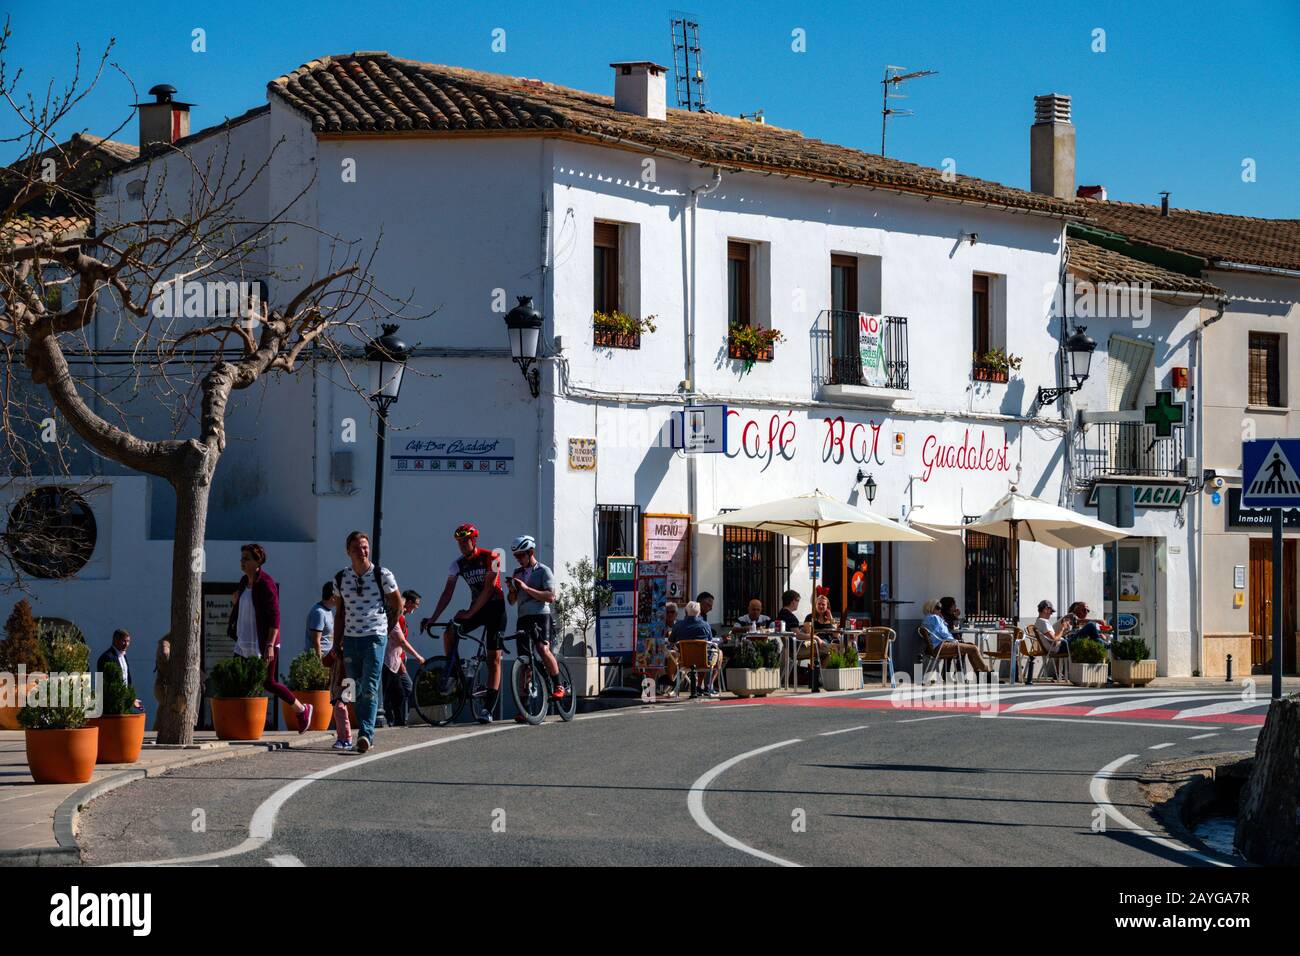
(386,357)
(524,327)
(870,486)
(1080,346)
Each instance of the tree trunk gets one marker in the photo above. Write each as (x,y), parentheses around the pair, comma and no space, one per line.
(178,714)
(1268,813)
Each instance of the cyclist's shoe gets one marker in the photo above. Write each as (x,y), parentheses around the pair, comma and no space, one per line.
(342,745)
(485,718)
(559,693)
(363,745)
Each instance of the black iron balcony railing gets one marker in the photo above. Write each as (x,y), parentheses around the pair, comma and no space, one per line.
(837,341)
(1105,449)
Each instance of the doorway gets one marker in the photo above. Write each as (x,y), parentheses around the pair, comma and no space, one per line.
(852,572)
(1137,599)
(1261,605)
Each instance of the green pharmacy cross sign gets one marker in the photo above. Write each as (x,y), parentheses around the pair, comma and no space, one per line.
(1165,414)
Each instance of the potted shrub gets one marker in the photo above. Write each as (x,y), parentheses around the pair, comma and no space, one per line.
(842,670)
(753,668)
(1087,663)
(618,330)
(121,726)
(995,365)
(751,344)
(1131,664)
(22,661)
(238,707)
(61,747)
(309,679)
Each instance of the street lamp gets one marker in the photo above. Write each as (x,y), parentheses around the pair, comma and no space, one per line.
(868,485)
(1079,347)
(387,357)
(524,327)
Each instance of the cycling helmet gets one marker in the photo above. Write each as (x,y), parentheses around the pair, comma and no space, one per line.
(466,530)
(525,542)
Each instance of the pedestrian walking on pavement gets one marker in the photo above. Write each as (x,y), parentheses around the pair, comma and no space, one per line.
(397,682)
(255,625)
(371,606)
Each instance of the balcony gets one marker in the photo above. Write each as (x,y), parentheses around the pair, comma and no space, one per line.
(838,368)
(1124,449)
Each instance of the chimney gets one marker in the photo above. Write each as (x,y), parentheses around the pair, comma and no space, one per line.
(1164,204)
(164,120)
(639,89)
(1091,192)
(1051,147)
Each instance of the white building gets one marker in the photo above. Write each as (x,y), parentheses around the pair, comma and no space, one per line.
(480,188)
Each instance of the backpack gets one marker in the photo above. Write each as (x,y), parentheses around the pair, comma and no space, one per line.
(379,585)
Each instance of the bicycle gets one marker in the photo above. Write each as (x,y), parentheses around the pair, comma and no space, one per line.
(531,685)
(438,706)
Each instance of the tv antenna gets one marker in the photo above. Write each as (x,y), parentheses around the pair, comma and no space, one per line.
(894,76)
(754,117)
(688,63)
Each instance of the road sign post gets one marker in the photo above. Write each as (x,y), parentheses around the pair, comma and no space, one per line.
(1269,479)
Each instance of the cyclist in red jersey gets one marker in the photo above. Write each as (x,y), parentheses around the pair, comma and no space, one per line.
(481,570)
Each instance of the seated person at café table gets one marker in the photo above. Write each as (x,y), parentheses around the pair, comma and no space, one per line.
(670,654)
(789,605)
(941,624)
(1050,637)
(820,621)
(693,627)
(1083,627)
(755,617)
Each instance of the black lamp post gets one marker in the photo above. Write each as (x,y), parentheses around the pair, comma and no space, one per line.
(524,327)
(387,357)
(868,485)
(1079,347)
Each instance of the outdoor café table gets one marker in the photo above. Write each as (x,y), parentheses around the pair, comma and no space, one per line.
(980,636)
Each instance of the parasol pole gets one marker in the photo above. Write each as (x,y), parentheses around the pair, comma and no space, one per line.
(815,681)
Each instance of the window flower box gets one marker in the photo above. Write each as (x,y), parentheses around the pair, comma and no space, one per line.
(995,365)
(982,373)
(748,344)
(617,330)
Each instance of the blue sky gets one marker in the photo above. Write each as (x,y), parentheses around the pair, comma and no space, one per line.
(1184,92)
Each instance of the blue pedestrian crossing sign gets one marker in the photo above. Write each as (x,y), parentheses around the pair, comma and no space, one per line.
(1269,478)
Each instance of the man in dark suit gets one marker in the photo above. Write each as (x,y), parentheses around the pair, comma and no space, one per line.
(116,654)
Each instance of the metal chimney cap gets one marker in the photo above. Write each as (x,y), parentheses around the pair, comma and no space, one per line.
(163,92)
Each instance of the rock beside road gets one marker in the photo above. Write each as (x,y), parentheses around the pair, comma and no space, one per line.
(1268,815)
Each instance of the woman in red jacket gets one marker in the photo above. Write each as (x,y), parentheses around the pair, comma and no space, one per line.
(255,624)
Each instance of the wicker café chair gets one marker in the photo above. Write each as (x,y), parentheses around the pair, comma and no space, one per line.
(878,648)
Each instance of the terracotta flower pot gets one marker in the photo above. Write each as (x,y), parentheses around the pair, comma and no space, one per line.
(62,756)
(9,715)
(239,718)
(321,712)
(120,737)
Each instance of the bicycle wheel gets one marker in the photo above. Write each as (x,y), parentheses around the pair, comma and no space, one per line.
(567,707)
(478,691)
(431,702)
(529,690)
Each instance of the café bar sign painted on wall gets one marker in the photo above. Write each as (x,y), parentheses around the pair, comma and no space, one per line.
(453,456)
(1150,495)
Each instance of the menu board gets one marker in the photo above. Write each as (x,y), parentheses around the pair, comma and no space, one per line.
(652,598)
(666,539)
(216,645)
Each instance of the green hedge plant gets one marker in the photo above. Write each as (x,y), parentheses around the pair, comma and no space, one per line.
(842,657)
(308,673)
(238,677)
(1130,649)
(64,652)
(1087,651)
(55,709)
(119,696)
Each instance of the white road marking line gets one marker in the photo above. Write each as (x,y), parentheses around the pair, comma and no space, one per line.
(1142,703)
(917,720)
(695,803)
(262,826)
(1159,746)
(1224,708)
(285,859)
(1247,728)
(1203,736)
(1097,790)
(846,730)
(1091,720)
(1056,702)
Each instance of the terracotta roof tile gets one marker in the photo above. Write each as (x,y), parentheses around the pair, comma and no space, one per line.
(374,93)
(1106,266)
(1211,236)
(25,230)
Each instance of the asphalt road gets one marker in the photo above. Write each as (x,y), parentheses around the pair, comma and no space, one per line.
(849,780)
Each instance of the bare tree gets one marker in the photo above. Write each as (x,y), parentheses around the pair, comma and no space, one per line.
(197,222)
